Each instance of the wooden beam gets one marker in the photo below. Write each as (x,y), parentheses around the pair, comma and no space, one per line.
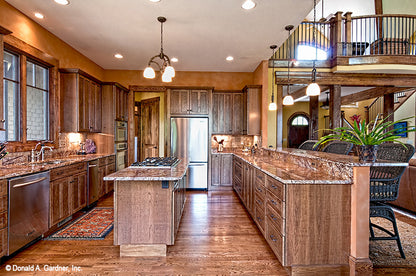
(378,6)
(335,106)
(301,92)
(279,116)
(369,94)
(388,107)
(352,79)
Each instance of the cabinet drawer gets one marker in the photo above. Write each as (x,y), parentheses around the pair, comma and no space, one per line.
(3,220)
(260,218)
(276,187)
(103,161)
(3,242)
(238,161)
(260,189)
(275,240)
(238,172)
(3,204)
(68,170)
(276,204)
(275,219)
(111,159)
(3,187)
(259,200)
(260,178)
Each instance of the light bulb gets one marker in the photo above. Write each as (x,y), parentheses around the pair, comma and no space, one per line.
(170,71)
(166,77)
(288,100)
(62,2)
(248,5)
(149,73)
(313,89)
(272,106)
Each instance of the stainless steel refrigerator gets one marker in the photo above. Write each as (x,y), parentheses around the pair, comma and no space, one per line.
(189,139)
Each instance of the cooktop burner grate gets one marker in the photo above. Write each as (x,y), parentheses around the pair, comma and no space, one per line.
(157,162)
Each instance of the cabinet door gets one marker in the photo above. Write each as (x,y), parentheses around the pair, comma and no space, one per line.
(238,113)
(179,102)
(78,192)
(226,170)
(60,207)
(109,185)
(222,113)
(83,104)
(125,109)
(227,113)
(198,102)
(101,186)
(95,112)
(215,170)
(216,98)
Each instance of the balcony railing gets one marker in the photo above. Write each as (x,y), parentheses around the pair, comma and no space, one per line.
(354,36)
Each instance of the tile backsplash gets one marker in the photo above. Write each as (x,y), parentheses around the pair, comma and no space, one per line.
(235,141)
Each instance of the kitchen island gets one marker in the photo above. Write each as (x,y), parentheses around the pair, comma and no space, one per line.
(148,205)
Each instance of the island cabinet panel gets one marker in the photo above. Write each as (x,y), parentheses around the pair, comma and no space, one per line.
(221,171)
(3,217)
(304,224)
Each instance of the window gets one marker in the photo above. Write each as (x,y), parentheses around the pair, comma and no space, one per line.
(11,99)
(37,106)
(307,52)
(300,121)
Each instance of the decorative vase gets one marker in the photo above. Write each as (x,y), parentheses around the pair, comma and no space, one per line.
(367,153)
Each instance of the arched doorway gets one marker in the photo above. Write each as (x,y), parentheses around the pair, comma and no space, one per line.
(298,129)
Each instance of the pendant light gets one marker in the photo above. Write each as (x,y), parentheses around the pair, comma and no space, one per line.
(288,99)
(272,105)
(168,72)
(313,88)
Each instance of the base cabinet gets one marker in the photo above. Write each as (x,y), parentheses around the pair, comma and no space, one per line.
(304,224)
(221,168)
(3,217)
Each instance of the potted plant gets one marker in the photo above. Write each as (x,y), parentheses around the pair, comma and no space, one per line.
(367,137)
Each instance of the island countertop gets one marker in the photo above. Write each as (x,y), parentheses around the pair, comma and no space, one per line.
(153,174)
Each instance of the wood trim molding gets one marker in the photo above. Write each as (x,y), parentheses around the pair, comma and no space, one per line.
(4,31)
(139,88)
(116,84)
(79,71)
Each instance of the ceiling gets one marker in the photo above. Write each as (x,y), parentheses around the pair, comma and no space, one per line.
(200,33)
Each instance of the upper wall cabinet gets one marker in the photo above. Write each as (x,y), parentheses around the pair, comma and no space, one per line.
(115,98)
(252,115)
(81,102)
(189,101)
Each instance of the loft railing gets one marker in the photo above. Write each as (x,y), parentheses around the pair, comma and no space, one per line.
(353,36)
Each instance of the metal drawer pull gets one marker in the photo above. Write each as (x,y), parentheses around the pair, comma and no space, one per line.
(273,217)
(273,239)
(260,190)
(258,218)
(259,201)
(274,202)
(29,183)
(274,187)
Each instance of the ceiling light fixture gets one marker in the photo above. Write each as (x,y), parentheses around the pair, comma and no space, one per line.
(62,2)
(229,58)
(174,59)
(39,15)
(288,99)
(118,55)
(313,88)
(272,105)
(154,1)
(168,72)
(248,5)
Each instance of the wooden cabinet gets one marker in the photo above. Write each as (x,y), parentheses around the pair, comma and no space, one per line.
(248,174)
(3,217)
(228,113)
(238,176)
(121,102)
(221,171)
(189,101)
(68,191)
(81,102)
(115,105)
(252,109)
(178,197)
(106,166)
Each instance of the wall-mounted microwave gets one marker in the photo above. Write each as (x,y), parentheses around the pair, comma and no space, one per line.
(121,131)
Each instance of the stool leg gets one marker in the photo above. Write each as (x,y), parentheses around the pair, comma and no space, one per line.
(396,233)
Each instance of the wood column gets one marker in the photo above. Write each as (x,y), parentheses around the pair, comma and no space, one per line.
(334,106)
(3,32)
(359,262)
(313,117)
(279,116)
(336,34)
(348,32)
(388,108)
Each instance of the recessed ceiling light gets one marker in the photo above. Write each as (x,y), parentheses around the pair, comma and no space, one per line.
(248,5)
(229,58)
(174,59)
(118,55)
(154,1)
(62,2)
(39,15)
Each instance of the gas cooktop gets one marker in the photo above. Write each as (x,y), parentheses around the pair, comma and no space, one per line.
(157,162)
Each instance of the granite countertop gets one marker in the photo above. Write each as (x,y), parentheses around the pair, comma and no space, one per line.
(153,174)
(15,170)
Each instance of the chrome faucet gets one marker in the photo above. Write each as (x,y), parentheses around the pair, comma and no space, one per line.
(35,155)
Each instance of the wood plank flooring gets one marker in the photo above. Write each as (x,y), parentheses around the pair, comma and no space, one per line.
(216,237)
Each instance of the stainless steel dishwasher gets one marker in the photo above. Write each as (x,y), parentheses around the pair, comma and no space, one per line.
(28,209)
(93,182)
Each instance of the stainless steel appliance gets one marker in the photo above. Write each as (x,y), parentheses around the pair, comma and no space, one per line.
(121,155)
(93,182)
(189,139)
(121,144)
(157,163)
(28,209)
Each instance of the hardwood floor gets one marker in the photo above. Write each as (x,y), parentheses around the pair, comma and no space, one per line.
(216,237)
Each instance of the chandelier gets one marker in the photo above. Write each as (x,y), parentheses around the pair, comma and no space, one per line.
(272,105)
(168,72)
(313,88)
(288,99)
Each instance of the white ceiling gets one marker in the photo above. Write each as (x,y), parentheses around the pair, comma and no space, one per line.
(200,33)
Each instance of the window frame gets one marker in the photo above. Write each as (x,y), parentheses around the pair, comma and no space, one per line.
(18,96)
(27,52)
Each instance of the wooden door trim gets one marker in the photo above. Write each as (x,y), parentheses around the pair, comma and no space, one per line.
(294,115)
